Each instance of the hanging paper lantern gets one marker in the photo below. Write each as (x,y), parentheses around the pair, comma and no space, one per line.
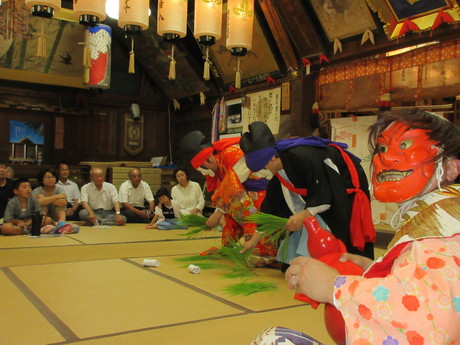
(172,24)
(89,12)
(172,19)
(43,8)
(133,15)
(208,21)
(133,18)
(240,21)
(208,27)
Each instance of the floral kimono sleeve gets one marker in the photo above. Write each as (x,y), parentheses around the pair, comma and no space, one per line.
(417,303)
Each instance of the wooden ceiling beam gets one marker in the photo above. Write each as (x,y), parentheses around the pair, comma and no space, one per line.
(353,50)
(279,33)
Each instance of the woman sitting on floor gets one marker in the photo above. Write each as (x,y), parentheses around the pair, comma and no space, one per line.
(187,194)
(52,198)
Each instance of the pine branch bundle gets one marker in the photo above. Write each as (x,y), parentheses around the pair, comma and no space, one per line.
(272,227)
(197,223)
(243,263)
(246,289)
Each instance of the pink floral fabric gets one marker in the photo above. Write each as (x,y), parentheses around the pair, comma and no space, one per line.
(417,303)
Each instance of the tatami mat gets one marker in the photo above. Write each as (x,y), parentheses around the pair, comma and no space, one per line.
(213,282)
(238,330)
(109,296)
(91,288)
(20,321)
(45,255)
(132,233)
(34,242)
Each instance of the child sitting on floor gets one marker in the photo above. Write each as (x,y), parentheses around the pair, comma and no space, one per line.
(166,212)
(20,209)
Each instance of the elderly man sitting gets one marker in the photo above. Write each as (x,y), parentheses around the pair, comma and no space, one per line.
(100,201)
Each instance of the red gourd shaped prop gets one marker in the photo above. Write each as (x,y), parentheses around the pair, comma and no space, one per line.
(325,247)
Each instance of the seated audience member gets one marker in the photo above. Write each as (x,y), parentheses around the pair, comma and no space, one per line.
(410,295)
(6,188)
(52,198)
(71,190)
(133,195)
(100,201)
(20,209)
(166,212)
(187,194)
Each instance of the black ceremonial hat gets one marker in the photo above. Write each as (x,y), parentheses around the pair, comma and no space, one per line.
(192,144)
(258,145)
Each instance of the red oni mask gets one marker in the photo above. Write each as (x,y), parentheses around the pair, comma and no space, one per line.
(404,163)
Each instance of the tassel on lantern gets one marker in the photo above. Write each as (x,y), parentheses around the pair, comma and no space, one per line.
(202,98)
(176,104)
(238,75)
(207,66)
(172,65)
(131,68)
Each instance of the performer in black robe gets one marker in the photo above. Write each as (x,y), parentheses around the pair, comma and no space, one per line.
(329,179)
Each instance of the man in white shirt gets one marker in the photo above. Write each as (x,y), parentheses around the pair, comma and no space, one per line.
(99,200)
(71,190)
(133,195)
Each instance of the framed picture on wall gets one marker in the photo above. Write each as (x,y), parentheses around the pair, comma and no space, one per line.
(343,18)
(423,13)
(234,113)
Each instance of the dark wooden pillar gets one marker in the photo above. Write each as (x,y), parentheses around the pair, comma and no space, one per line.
(302,98)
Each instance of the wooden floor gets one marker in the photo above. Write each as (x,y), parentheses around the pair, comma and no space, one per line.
(91,288)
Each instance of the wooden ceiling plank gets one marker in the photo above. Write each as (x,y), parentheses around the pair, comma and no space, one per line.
(279,33)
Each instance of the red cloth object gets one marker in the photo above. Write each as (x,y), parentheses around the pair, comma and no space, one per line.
(362,229)
(441,18)
(306,62)
(290,186)
(323,58)
(383,268)
(209,251)
(218,146)
(232,89)
(270,80)
(407,26)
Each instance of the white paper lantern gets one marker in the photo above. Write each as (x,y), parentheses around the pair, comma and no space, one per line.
(89,12)
(208,21)
(134,15)
(43,8)
(240,21)
(172,18)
